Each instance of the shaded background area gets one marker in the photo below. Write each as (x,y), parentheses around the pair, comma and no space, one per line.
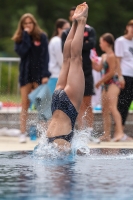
(104,16)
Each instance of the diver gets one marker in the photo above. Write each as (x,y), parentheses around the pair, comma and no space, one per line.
(69,91)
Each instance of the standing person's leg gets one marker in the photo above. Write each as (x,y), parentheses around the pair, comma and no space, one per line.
(85,117)
(25,90)
(106,117)
(113,92)
(113,101)
(125,99)
(75,81)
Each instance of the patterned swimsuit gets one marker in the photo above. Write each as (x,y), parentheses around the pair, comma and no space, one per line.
(114,79)
(60,101)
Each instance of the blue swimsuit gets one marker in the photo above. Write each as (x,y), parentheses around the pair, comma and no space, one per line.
(60,101)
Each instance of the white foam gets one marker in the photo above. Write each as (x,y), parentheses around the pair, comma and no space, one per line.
(45,150)
(80,142)
(48,150)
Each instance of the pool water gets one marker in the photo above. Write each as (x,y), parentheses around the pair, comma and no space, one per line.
(104,174)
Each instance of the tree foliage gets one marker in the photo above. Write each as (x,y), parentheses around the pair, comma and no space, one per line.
(104,16)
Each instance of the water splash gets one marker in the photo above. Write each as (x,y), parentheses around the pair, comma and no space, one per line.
(45,150)
(79,146)
(80,143)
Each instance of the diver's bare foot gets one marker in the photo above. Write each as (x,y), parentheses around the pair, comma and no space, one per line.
(81,11)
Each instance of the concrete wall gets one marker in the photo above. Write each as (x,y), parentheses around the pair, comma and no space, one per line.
(11,120)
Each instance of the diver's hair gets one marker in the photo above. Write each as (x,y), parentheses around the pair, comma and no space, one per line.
(36,33)
(59,24)
(128,24)
(109,38)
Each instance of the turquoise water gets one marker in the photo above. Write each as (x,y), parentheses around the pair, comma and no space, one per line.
(104,174)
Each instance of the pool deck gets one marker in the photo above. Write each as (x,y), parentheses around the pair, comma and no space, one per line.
(12,144)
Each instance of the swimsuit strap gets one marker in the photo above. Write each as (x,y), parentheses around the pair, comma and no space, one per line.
(68,137)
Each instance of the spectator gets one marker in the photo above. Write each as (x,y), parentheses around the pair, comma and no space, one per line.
(111,87)
(124,54)
(55,52)
(85,118)
(32,47)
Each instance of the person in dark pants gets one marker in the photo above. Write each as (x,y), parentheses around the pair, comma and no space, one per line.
(85,117)
(32,46)
(124,54)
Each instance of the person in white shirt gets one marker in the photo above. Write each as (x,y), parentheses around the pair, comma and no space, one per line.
(124,54)
(55,52)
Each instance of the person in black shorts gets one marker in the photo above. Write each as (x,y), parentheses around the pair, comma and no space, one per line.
(85,117)
(69,91)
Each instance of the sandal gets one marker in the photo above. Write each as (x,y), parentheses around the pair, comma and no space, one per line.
(124,138)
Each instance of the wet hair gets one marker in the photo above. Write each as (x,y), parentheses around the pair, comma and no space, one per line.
(36,33)
(109,38)
(59,24)
(128,24)
(73,8)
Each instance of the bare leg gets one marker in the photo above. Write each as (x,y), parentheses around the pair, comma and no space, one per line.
(62,80)
(75,81)
(113,93)
(85,117)
(72,64)
(106,118)
(25,90)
